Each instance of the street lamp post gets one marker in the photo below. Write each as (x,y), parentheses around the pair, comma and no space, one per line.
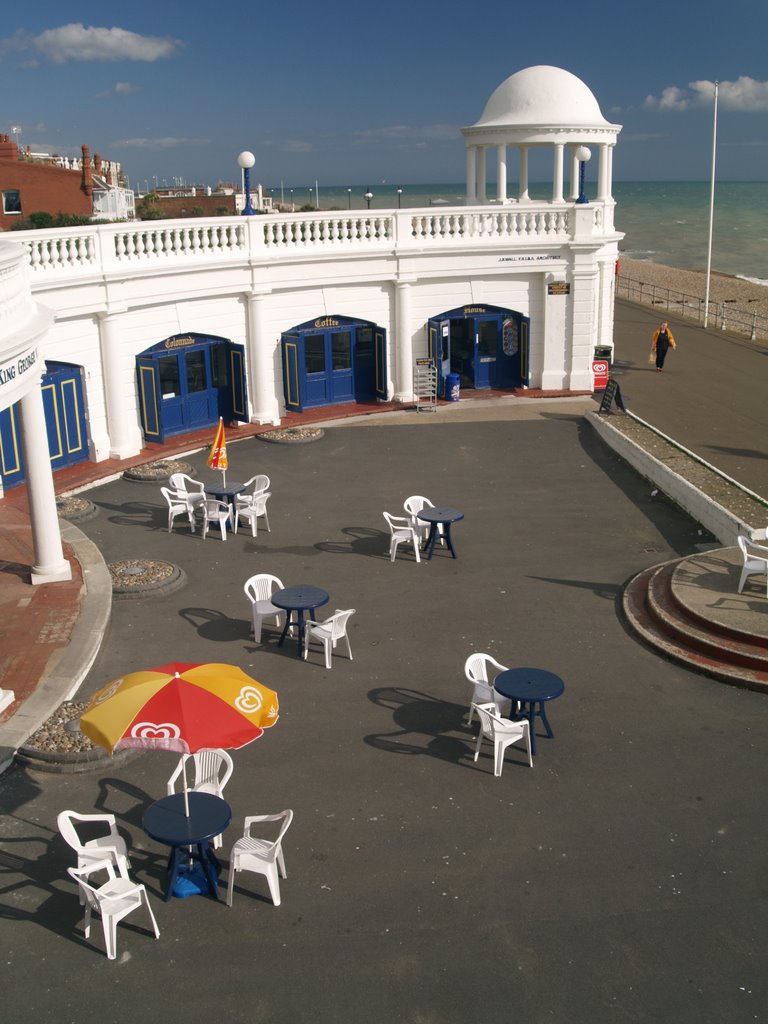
(291,191)
(246,160)
(349,198)
(582,155)
(399,197)
(368,197)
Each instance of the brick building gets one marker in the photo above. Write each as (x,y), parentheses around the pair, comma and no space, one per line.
(40,184)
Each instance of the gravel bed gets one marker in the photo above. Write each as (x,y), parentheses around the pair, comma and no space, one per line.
(135,577)
(75,509)
(292,435)
(728,495)
(53,736)
(151,472)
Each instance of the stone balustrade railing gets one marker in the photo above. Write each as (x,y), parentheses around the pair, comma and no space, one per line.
(111,248)
(16,304)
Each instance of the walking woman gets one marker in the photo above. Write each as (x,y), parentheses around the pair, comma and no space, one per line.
(662,342)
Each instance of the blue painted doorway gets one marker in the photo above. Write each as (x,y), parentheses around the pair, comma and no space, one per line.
(487,346)
(188,381)
(333,360)
(65,421)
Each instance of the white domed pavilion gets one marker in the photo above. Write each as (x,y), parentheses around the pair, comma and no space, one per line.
(539,107)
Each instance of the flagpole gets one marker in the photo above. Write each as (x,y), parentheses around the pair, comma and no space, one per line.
(711,208)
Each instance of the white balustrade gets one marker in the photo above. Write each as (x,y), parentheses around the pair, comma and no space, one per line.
(106,248)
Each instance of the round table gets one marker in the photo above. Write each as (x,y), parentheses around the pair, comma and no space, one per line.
(531,688)
(226,493)
(437,517)
(167,821)
(298,599)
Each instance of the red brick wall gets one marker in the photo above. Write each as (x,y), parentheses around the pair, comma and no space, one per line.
(43,189)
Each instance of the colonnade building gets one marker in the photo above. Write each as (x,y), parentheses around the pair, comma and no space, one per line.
(152,329)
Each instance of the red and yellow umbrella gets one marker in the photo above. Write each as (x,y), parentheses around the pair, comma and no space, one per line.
(181,707)
(217,457)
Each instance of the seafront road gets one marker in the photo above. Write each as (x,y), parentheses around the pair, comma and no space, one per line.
(712,396)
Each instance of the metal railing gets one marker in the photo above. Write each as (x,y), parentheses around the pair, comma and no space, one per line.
(726,315)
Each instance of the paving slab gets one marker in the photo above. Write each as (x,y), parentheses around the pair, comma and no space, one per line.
(620,878)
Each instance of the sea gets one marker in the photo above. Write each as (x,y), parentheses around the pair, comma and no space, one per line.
(663,221)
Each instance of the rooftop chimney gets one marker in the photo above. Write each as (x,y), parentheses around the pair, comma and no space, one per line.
(87,185)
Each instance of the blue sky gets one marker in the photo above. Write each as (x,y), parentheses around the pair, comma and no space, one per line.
(354,93)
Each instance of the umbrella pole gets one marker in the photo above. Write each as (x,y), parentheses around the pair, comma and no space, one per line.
(186,793)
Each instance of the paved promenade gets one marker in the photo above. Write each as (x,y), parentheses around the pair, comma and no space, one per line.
(620,878)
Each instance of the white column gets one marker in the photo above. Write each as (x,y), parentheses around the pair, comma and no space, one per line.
(501,173)
(524,174)
(557,174)
(471,175)
(261,376)
(122,426)
(50,564)
(574,191)
(481,176)
(603,172)
(403,346)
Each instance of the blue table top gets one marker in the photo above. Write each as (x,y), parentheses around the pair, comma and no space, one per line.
(528,684)
(166,821)
(220,491)
(300,596)
(443,514)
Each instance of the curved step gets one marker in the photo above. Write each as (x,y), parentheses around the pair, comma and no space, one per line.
(679,639)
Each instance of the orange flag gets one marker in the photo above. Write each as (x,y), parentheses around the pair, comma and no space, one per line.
(218,457)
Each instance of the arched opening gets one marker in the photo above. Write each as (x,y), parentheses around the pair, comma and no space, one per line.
(188,381)
(487,346)
(334,360)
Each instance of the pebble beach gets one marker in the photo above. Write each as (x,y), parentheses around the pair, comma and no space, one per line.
(745,294)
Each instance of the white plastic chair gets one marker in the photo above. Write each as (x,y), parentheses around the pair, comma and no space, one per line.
(90,851)
(481,670)
(402,532)
(213,769)
(259,589)
(253,509)
(113,901)
(502,733)
(755,561)
(414,505)
(257,483)
(192,490)
(214,512)
(260,855)
(328,633)
(177,506)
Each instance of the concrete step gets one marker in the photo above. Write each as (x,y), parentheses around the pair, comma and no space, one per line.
(693,630)
(654,614)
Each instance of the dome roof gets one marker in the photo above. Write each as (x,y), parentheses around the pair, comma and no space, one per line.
(542,95)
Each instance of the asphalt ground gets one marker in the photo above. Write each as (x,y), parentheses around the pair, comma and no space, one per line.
(622,878)
(711,395)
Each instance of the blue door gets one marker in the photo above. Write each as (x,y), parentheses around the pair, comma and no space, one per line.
(189,381)
(65,421)
(487,346)
(332,361)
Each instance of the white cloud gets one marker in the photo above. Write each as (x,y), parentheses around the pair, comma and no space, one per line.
(80,43)
(745,94)
(120,89)
(406,132)
(168,142)
(288,145)
(671,98)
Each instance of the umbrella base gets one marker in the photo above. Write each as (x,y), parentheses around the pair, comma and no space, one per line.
(192,882)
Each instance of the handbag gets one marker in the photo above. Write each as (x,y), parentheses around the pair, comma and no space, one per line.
(651,357)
